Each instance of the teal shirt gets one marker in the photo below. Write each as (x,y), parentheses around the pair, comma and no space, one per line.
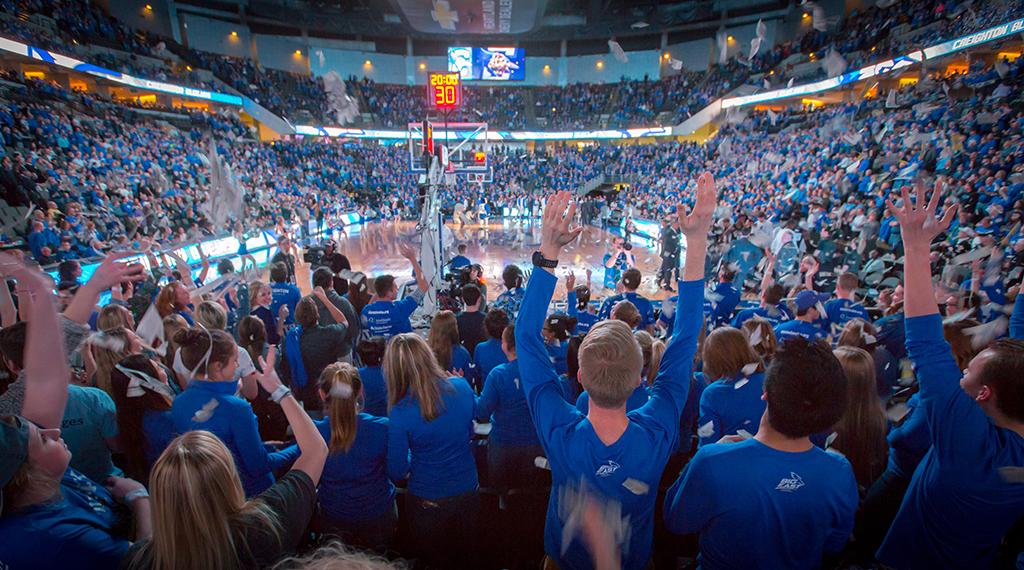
(90,418)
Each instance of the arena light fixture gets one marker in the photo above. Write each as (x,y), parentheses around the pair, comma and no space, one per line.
(234,34)
(423,66)
(599,64)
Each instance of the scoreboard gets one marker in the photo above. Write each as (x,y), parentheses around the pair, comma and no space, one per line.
(444,90)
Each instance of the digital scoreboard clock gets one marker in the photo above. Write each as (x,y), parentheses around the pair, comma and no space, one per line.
(445,91)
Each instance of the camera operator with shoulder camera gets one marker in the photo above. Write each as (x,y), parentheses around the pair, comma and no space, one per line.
(619,259)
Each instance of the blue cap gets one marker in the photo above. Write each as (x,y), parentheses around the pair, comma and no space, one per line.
(806,299)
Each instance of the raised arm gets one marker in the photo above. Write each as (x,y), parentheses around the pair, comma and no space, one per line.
(540,381)
(45,365)
(570,294)
(956,422)
(672,384)
(335,312)
(311,444)
(109,273)
(408,253)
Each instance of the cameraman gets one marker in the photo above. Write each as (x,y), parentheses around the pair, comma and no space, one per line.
(336,262)
(619,259)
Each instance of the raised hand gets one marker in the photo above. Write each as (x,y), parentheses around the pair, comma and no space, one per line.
(697,221)
(918,222)
(556,224)
(28,277)
(269,379)
(112,272)
(570,281)
(407,251)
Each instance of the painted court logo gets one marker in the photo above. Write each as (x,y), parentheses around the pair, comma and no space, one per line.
(607,469)
(790,484)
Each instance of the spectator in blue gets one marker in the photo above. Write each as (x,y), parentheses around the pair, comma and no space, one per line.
(283,292)
(512,446)
(429,432)
(578,301)
(375,390)
(617,261)
(619,456)
(630,283)
(731,404)
(803,498)
(724,297)
(260,299)
(771,309)
(488,353)
(357,500)
(387,317)
(844,307)
(460,260)
(209,403)
(807,305)
(556,339)
(143,397)
(510,299)
(960,502)
(443,339)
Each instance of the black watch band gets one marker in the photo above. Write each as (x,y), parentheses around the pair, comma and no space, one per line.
(540,261)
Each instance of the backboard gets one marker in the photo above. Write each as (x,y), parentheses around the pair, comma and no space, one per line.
(467,144)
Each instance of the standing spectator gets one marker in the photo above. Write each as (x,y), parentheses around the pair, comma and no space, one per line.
(431,423)
(511,299)
(488,353)
(375,389)
(322,278)
(283,292)
(387,317)
(471,319)
(630,281)
(860,433)
(310,347)
(732,402)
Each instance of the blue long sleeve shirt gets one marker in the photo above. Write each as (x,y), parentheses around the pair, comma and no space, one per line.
(354,486)
(642,304)
(637,399)
(503,403)
(627,471)
(487,355)
(963,498)
(792,507)
(213,407)
(375,391)
(909,441)
(434,455)
(584,319)
(727,406)
(1017,318)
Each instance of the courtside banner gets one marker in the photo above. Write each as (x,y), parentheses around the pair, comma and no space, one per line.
(73,64)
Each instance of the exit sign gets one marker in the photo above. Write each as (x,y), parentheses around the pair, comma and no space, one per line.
(445,91)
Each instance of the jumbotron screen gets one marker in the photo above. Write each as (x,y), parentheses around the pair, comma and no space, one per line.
(488,64)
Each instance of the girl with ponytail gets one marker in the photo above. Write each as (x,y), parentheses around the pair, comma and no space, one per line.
(357,500)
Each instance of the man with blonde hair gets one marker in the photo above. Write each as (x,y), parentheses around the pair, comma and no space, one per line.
(609,453)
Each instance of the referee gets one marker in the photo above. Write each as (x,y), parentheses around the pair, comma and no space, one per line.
(669,272)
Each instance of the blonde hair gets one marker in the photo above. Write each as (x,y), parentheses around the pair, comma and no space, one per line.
(410,368)
(172,324)
(113,316)
(626,312)
(199,508)
(610,363)
(337,556)
(765,346)
(726,352)
(342,387)
(211,315)
(854,333)
(861,432)
(442,338)
(107,358)
(255,288)
(652,350)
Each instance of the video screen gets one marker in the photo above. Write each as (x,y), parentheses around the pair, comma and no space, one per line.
(488,64)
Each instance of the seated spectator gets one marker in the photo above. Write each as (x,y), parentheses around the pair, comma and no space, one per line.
(731,404)
(754,479)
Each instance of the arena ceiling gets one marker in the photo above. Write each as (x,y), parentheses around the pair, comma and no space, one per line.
(636,21)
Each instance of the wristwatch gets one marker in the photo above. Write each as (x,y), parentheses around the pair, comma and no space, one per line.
(540,261)
(280,393)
